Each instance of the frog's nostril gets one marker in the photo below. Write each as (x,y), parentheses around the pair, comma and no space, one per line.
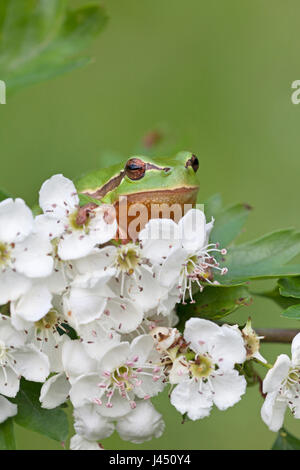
(193,162)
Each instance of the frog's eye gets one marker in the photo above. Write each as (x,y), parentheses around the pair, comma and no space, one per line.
(193,162)
(135,168)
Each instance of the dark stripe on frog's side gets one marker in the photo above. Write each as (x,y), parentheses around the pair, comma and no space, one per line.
(116,181)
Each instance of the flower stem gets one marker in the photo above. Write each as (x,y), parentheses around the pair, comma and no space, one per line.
(264,364)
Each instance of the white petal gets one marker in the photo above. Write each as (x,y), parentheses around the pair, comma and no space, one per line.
(57,195)
(75,244)
(31,363)
(12,285)
(79,443)
(146,292)
(149,387)
(201,334)
(124,315)
(141,424)
(34,256)
(16,220)
(76,360)
(52,348)
(187,399)
(85,389)
(100,229)
(90,424)
(48,227)
(140,348)
(159,238)
(179,371)
(33,305)
(94,280)
(9,383)
(120,407)
(277,374)
(85,305)
(115,357)
(170,270)
(273,411)
(7,409)
(55,391)
(96,339)
(209,228)
(9,335)
(98,260)
(18,322)
(228,389)
(192,229)
(228,348)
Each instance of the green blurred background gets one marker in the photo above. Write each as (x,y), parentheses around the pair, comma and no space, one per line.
(217,77)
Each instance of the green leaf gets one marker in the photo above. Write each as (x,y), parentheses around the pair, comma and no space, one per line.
(290,305)
(286,441)
(265,257)
(7,435)
(212,206)
(229,223)
(51,423)
(293,312)
(41,39)
(289,287)
(215,303)
(283,302)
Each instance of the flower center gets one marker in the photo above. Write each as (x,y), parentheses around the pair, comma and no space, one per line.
(48,321)
(199,268)
(73,222)
(293,377)
(202,367)
(190,264)
(5,253)
(128,258)
(122,376)
(125,379)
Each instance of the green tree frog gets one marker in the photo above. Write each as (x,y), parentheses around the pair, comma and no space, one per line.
(150,183)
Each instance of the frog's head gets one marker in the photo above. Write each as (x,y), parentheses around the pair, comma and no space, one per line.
(147,181)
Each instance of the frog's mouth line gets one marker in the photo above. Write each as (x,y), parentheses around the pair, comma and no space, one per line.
(181,195)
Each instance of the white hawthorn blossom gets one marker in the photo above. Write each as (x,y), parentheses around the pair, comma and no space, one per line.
(18,359)
(126,372)
(76,237)
(282,386)
(206,374)
(85,303)
(186,256)
(131,273)
(24,254)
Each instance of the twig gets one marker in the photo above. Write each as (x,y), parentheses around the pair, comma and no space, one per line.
(274,335)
